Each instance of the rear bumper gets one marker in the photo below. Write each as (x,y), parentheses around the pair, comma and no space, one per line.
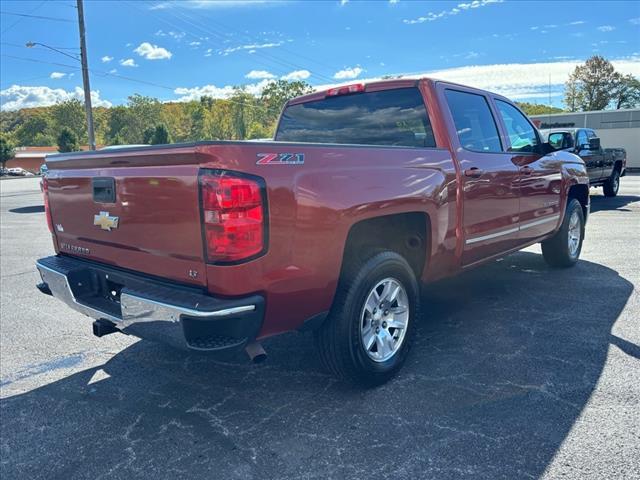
(148,308)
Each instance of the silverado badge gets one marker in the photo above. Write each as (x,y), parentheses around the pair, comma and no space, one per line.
(105,222)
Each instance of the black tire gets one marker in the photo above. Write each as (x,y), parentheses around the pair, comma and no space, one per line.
(556,250)
(612,184)
(339,339)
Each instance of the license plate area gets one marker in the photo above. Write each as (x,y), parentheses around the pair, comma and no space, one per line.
(97,290)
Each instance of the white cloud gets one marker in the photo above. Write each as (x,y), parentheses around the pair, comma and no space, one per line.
(152,52)
(208,52)
(393,2)
(250,47)
(343,2)
(57,75)
(431,16)
(606,28)
(106,59)
(113,70)
(259,74)
(297,75)
(515,80)
(194,44)
(129,62)
(577,22)
(194,93)
(635,21)
(19,96)
(348,73)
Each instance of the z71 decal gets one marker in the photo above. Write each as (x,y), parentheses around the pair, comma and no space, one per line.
(280,159)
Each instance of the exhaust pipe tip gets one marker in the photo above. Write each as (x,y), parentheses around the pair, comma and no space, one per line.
(256,352)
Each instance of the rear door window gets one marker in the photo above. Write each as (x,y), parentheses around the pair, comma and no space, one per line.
(521,133)
(394,117)
(475,125)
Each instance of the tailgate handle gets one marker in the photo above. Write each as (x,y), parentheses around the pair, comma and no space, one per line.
(104,189)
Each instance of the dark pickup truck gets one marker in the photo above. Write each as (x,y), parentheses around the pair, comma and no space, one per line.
(604,165)
(368,191)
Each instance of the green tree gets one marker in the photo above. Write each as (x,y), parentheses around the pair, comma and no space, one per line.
(626,93)
(67,141)
(35,131)
(590,86)
(160,135)
(116,125)
(143,112)
(536,109)
(70,114)
(7,151)
(279,92)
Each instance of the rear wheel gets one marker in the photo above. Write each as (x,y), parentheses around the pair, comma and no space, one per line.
(371,326)
(612,184)
(563,249)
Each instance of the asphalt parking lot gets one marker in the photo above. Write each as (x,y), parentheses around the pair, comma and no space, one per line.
(519,371)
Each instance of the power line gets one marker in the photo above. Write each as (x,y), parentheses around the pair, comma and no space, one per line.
(21,19)
(285,65)
(39,17)
(273,58)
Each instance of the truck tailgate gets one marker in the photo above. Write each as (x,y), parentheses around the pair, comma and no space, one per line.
(150,222)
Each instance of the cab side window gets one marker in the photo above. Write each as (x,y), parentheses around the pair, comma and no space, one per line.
(582,140)
(475,125)
(522,135)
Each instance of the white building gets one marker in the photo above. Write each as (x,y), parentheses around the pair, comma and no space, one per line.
(616,128)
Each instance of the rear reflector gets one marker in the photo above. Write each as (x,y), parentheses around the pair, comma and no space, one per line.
(233,216)
(345,90)
(47,208)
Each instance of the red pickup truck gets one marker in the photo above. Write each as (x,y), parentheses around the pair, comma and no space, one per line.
(367,192)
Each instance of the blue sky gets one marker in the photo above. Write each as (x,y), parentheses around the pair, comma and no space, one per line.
(184,49)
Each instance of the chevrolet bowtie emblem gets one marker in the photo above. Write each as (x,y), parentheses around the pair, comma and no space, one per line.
(105,222)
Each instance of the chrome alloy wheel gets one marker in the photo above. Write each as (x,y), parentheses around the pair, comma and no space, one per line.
(574,234)
(615,183)
(384,319)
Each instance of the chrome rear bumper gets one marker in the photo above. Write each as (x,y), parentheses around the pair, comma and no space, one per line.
(135,304)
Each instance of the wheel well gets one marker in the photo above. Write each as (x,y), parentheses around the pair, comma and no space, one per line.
(407,234)
(618,166)
(580,193)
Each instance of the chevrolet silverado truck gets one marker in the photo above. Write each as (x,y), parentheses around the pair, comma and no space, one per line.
(605,166)
(368,192)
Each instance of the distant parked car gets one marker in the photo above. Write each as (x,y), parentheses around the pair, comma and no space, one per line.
(604,165)
(44,169)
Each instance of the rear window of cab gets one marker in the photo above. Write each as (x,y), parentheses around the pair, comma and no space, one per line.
(395,117)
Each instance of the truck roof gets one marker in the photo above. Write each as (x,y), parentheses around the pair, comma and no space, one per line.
(385,85)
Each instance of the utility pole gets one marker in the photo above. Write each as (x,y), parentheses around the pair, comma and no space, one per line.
(85,77)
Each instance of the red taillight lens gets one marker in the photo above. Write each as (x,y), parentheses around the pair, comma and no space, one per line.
(345,90)
(47,208)
(233,217)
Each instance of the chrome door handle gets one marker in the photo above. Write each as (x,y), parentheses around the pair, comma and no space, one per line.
(473,172)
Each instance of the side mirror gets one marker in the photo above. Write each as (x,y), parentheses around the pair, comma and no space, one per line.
(594,143)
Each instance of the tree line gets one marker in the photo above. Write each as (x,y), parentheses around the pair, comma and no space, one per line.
(147,120)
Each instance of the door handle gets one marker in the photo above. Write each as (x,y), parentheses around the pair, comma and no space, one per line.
(473,172)
(526,170)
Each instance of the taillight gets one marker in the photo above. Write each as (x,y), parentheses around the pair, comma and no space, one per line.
(345,90)
(47,208)
(233,216)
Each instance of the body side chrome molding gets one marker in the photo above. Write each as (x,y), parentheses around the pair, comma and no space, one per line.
(523,226)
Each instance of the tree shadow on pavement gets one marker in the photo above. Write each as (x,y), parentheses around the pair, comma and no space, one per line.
(600,202)
(506,358)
